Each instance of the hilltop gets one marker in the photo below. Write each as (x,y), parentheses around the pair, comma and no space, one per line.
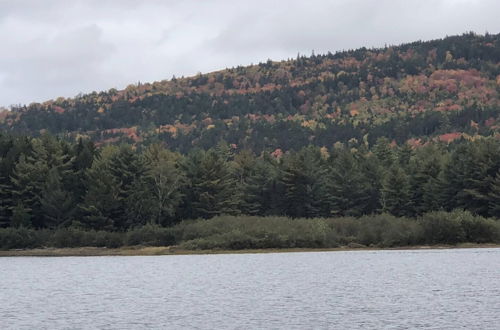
(414,93)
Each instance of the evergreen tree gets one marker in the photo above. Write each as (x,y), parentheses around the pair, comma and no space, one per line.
(28,180)
(102,197)
(350,190)
(5,202)
(395,192)
(211,184)
(57,204)
(469,175)
(126,168)
(494,197)
(83,153)
(305,184)
(384,152)
(425,168)
(259,185)
(21,216)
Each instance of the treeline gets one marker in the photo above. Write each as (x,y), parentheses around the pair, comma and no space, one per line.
(247,232)
(46,183)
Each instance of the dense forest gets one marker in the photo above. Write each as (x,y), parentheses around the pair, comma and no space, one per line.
(414,93)
(51,184)
(341,148)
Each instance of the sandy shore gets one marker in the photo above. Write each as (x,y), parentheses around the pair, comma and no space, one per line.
(171,250)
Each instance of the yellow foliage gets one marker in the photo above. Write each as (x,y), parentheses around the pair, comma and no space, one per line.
(324,152)
(449,56)
(341,73)
(312,124)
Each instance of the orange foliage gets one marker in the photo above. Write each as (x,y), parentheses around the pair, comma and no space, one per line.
(414,143)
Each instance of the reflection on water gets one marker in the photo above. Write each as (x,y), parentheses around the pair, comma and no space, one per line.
(434,289)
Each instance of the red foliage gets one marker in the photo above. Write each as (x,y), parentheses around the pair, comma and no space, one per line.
(449,137)
(489,122)
(278,153)
(58,109)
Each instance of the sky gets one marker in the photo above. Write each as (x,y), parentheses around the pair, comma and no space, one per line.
(52,48)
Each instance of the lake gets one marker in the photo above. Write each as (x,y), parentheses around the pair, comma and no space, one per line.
(405,289)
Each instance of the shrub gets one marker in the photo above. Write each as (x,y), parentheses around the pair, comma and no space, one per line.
(478,229)
(151,235)
(442,228)
(71,237)
(20,238)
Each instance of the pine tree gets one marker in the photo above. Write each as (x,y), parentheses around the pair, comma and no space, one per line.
(395,192)
(469,174)
(126,168)
(384,152)
(213,189)
(83,153)
(350,191)
(305,184)
(259,185)
(494,196)
(425,169)
(57,204)
(5,203)
(21,216)
(28,180)
(102,198)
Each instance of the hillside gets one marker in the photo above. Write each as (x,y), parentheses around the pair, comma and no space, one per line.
(434,90)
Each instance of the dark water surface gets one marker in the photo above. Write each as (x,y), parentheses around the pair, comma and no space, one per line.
(428,289)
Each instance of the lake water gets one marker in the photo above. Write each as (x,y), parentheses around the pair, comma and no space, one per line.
(428,289)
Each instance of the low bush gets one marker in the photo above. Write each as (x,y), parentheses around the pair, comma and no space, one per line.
(458,226)
(247,232)
(20,238)
(151,235)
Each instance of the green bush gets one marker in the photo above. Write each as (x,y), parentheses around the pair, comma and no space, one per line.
(20,238)
(478,229)
(71,237)
(442,228)
(150,235)
(248,232)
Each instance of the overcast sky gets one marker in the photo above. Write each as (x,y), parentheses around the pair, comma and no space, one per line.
(52,48)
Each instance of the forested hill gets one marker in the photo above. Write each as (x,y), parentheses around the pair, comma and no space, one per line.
(443,89)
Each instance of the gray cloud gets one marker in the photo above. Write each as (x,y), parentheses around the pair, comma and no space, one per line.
(60,48)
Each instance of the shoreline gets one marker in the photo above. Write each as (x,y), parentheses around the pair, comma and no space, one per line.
(172,250)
